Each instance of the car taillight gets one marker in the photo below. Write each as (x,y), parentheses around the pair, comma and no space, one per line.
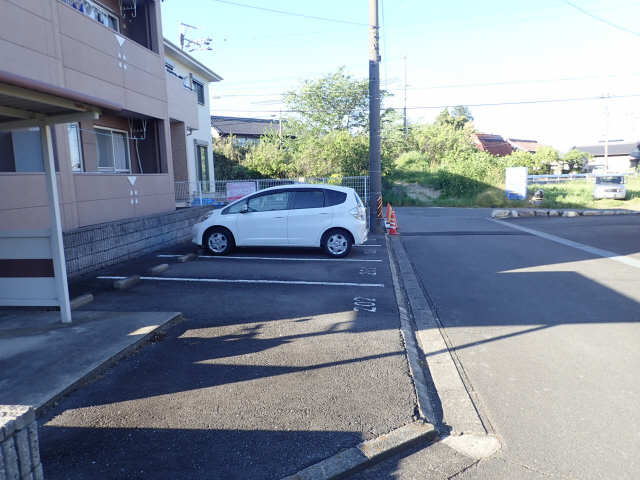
(357,213)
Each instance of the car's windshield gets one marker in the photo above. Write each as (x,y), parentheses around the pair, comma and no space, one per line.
(610,179)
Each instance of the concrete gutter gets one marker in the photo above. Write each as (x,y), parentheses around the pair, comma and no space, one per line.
(458,413)
(367,453)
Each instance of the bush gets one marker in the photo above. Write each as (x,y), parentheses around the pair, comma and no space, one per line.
(468,173)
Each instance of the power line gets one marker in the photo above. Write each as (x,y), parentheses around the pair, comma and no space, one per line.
(493,104)
(524,102)
(516,82)
(442,86)
(600,19)
(292,14)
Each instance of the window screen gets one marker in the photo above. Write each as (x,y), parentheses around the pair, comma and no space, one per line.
(105,149)
(308,199)
(334,198)
(75,147)
(113,150)
(120,151)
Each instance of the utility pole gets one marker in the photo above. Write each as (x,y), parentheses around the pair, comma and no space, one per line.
(606,140)
(375,174)
(404,110)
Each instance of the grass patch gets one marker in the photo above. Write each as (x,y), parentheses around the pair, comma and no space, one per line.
(576,194)
(579,194)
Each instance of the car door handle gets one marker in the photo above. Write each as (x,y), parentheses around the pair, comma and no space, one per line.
(278,217)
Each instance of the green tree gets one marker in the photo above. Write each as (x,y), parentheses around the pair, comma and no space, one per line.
(458,117)
(271,157)
(440,139)
(575,159)
(336,101)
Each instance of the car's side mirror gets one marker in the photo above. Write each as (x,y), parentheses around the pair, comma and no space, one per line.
(244,209)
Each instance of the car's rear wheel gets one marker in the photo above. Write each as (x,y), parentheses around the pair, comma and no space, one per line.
(218,241)
(337,243)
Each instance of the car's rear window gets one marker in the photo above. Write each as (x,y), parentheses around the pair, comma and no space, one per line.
(308,199)
(333,197)
(612,179)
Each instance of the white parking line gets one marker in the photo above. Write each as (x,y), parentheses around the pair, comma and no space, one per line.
(371,245)
(284,259)
(228,280)
(632,262)
(291,259)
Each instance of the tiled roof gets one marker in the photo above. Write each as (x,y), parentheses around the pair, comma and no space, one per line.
(524,145)
(615,149)
(493,144)
(244,127)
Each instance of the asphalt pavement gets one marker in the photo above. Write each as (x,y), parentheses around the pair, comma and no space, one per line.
(285,358)
(547,338)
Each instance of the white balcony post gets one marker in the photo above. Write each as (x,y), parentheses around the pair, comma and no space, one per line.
(57,246)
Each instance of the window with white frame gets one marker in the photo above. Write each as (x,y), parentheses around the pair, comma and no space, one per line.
(113,150)
(97,12)
(75,147)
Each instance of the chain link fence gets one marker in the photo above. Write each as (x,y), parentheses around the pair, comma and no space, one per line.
(220,192)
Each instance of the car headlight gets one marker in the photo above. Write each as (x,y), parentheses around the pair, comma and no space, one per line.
(205,216)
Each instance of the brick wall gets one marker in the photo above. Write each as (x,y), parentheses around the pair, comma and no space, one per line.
(19,449)
(97,246)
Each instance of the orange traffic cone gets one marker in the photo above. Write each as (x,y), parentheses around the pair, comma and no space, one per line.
(389,209)
(393,224)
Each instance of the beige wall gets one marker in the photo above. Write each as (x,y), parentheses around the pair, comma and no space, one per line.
(179,151)
(52,42)
(90,199)
(49,41)
(183,104)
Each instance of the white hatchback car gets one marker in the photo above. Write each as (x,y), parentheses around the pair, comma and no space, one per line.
(299,215)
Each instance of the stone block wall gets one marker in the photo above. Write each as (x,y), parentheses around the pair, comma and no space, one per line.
(19,450)
(97,246)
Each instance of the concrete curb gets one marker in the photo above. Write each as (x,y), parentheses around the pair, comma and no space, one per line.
(458,401)
(126,283)
(174,319)
(81,300)
(367,453)
(186,258)
(163,267)
(415,356)
(542,212)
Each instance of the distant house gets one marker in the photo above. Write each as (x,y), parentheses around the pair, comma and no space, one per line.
(189,111)
(619,156)
(530,146)
(493,144)
(245,131)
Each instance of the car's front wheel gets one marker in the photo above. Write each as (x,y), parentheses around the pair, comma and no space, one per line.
(337,243)
(218,241)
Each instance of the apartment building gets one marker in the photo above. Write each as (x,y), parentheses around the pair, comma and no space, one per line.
(113,164)
(189,116)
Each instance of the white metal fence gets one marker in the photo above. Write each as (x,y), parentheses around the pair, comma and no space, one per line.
(223,191)
(565,177)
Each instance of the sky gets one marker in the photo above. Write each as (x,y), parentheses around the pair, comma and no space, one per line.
(458,52)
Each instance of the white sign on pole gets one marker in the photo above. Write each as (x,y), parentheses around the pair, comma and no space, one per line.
(516,183)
